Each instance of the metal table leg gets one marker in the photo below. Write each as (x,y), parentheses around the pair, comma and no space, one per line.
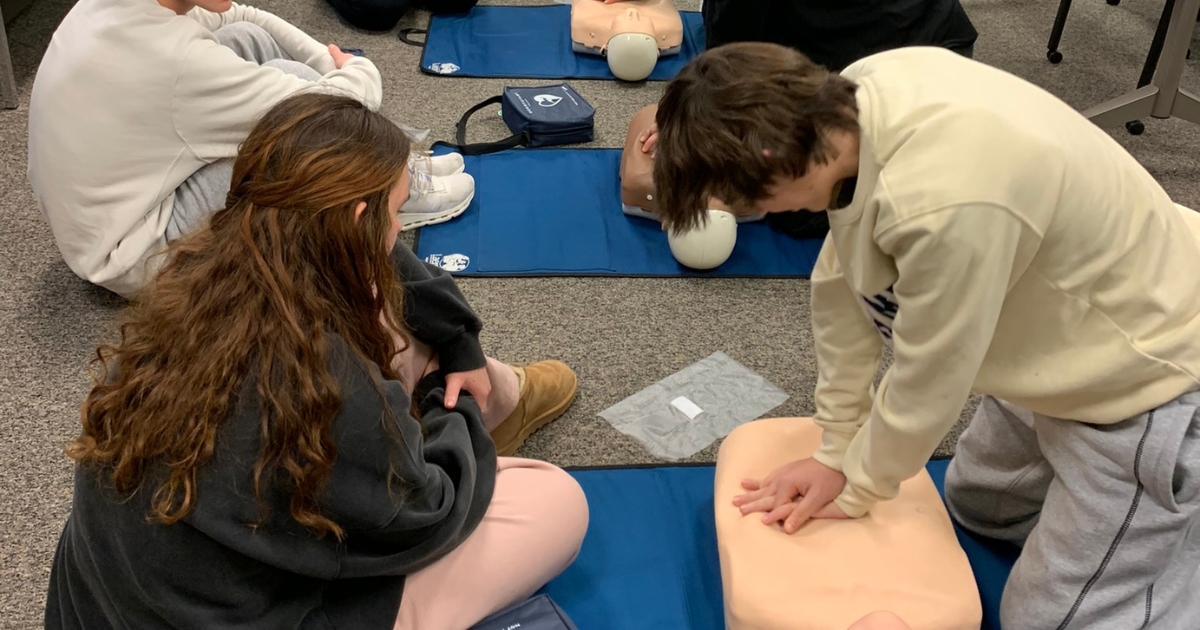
(1163,98)
(8,84)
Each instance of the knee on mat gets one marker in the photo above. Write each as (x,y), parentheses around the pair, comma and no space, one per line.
(371,15)
(958,492)
(1015,609)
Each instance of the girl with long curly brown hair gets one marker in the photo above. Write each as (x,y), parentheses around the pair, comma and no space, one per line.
(298,427)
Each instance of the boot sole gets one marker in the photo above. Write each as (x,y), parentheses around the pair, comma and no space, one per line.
(411,222)
(553,414)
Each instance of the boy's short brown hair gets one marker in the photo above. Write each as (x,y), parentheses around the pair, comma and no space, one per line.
(725,108)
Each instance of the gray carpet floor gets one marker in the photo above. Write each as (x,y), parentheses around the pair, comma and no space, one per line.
(620,334)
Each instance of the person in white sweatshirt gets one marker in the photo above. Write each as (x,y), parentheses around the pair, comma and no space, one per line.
(1002,244)
(138,109)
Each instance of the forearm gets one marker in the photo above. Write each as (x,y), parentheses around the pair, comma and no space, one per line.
(298,45)
(907,423)
(445,460)
(954,269)
(219,96)
(437,313)
(848,351)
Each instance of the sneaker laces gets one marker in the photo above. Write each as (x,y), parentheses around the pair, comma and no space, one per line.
(420,173)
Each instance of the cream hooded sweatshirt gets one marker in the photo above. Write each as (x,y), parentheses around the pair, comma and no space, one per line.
(130,100)
(1001,244)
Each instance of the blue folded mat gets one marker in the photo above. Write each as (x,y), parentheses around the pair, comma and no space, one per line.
(546,212)
(530,42)
(649,561)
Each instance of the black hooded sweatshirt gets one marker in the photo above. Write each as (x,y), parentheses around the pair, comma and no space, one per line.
(116,569)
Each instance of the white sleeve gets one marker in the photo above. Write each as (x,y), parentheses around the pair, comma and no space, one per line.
(955,267)
(848,350)
(219,96)
(299,45)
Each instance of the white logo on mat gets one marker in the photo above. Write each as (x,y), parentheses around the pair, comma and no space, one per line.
(449,262)
(547,100)
(444,67)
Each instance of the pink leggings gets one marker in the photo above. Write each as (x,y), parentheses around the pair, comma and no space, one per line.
(531,532)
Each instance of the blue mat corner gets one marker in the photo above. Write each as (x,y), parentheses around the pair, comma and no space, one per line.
(531,42)
(649,560)
(557,212)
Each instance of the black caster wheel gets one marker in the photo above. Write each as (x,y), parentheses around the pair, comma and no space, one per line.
(1054,56)
(1113,3)
(1135,127)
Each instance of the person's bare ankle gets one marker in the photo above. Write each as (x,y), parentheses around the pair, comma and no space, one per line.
(520,377)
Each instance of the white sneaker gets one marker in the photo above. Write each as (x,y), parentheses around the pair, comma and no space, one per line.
(436,199)
(437,165)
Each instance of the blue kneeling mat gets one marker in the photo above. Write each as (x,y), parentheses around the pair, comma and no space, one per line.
(532,43)
(649,560)
(557,212)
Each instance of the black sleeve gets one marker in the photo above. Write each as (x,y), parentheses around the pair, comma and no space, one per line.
(437,313)
(729,21)
(406,488)
(442,470)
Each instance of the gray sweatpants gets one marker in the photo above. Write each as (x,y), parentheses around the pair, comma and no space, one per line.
(1108,516)
(202,194)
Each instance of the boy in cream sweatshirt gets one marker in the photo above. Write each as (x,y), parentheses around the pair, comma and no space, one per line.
(139,106)
(1001,244)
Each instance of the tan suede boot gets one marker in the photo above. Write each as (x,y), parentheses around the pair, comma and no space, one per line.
(547,390)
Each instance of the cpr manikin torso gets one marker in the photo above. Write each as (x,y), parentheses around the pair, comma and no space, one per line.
(704,248)
(632,34)
(902,559)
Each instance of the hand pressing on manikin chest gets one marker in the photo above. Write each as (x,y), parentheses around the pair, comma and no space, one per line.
(794,493)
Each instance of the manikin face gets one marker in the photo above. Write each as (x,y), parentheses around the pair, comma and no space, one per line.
(632,21)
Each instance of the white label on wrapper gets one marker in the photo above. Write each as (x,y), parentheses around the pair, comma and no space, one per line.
(688,407)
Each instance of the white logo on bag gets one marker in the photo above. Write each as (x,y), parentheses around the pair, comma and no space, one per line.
(449,262)
(547,100)
(444,68)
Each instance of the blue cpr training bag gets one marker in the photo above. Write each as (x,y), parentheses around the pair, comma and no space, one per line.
(537,117)
(538,613)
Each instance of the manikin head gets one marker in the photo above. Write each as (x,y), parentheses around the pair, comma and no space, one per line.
(632,51)
(707,246)
(759,126)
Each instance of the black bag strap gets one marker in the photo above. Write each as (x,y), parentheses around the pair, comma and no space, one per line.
(405,34)
(480,148)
